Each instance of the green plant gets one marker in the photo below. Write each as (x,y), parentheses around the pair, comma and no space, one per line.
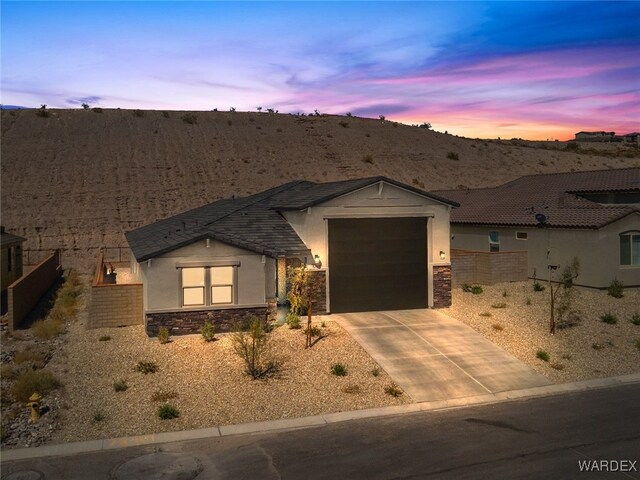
(367,159)
(40,381)
(466,287)
(476,290)
(314,331)
(376,371)
(609,318)
(351,388)
(33,355)
(537,287)
(293,320)
(163,395)
(393,390)
(486,314)
(253,347)
(453,156)
(138,113)
(616,289)
(98,416)
(543,355)
(146,367)
(339,370)
(499,305)
(7,372)
(168,411)
(635,319)
(498,327)
(303,292)
(163,335)
(208,331)
(570,272)
(190,118)
(120,386)
(104,338)
(47,329)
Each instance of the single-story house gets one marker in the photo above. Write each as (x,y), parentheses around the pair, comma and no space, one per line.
(11,260)
(371,244)
(593,215)
(600,136)
(631,138)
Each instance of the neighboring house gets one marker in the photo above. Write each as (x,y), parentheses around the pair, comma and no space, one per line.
(632,138)
(371,244)
(11,259)
(594,216)
(596,136)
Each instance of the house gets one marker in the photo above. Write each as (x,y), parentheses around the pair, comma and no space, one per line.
(631,138)
(371,244)
(592,215)
(11,259)
(595,136)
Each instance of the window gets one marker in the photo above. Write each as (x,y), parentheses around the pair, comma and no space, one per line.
(630,248)
(494,241)
(522,235)
(192,286)
(221,285)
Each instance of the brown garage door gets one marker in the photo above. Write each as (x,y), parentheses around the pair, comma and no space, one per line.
(377,264)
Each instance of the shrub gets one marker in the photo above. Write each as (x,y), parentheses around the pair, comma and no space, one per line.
(543,355)
(163,335)
(293,320)
(486,314)
(537,287)
(609,318)
(393,390)
(120,386)
(146,367)
(382,117)
(98,416)
(253,347)
(339,370)
(163,395)
(208,331)
(570,273)
(367,159)
(476,290)
(497,327)
(168,411)
(104,338)
(499,305)
(376,371)
(453,156)
(504,293)
(41,381)
(190,118)
(315,331)
(36,357)
(351,388)
(47,329)
(635,319)
(466,287)
(42,111)
(616,289)
(8,372)
(598,346)
(85,106)
(138,113)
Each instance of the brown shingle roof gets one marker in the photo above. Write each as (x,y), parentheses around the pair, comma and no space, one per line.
(556,196)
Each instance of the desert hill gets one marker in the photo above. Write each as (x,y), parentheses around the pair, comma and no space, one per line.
(78,179)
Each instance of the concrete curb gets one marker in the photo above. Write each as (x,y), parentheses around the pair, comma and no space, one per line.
(314,421)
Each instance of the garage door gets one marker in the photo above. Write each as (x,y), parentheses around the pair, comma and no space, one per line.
(377,264)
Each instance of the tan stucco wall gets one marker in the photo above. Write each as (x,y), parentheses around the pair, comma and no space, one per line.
(598,250)
(312,226)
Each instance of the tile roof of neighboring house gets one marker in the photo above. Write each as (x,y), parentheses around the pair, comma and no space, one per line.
(252,222)
(7,239)
(556,196)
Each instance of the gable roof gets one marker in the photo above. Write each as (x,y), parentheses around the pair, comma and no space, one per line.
(557,196)
(252,222)
(8,239)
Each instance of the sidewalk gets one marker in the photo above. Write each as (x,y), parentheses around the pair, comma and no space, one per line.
(314,421)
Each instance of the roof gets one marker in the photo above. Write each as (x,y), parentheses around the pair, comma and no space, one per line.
(599,132)
(7,239)
(556,196)
(253,223)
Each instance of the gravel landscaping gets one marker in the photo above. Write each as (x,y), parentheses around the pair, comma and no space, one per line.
(590,349)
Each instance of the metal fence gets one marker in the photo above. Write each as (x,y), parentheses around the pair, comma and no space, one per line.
(33,256)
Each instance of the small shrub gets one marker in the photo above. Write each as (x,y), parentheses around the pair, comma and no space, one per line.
(36,357)
(293,320)
(138,113)
(543,355)
(190,118)
(476,290)
(104,338)
(41,381)
(367,159)
(315,331)
(466,287)
(163,335)
(7,372)
(376,371)
(42,111)
(528,302)
(486,314)
(146,367)
(537,287)
(351,388)
(504,293)
(609,318)
(120,386)
(499,305)
(497,327)
(635,319)
(47,329)
(453,156)
(98,416)
(382,117)
(163,395)
(339,370)
(344,124)
(208,331)
(85,106)
(616,289)
(557,366)
(168,411)
(253,347)
(394,390)
(598,346)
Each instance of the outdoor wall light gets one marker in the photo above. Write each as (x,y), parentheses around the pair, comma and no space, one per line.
(316,258)
(442,255)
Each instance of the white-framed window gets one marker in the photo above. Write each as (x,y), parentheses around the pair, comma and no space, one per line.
(522,235)
(630,248)
(494,241)
(193,284)
(222,285)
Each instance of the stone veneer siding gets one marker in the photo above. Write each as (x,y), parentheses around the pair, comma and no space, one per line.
(189,322)
(320,302)
(441,286)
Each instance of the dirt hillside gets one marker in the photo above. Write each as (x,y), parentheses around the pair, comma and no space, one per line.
(78,179)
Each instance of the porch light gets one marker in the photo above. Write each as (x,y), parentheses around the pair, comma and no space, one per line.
(317,261)
(442,255)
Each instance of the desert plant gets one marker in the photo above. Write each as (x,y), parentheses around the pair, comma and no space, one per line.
(293,320)
(232,109)
(476,290)
(616,289)
(162,395)
(543,355)
(375,371)
(104,338)
(528,302)
(40,381)
(504,293)
(138,113)
(98,415)
(453,156)
(393,389)
(85,106)
(498,327)
(425,125)
(339,370)
(42,111)
(570,272)
(351,388)
(208,331)
(146,367)
(313,331)
(120,385)
(168,411)
(609,318)
(538,287)
(34,356)
(47,329)
(635,319)
(557,366)
(253,347)
(499,305)
(485,314)
(163,335)
(190,118)
(382,117)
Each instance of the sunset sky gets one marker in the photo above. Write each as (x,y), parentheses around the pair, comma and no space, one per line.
(534,70)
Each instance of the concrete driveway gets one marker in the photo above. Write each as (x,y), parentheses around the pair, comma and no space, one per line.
(434,357)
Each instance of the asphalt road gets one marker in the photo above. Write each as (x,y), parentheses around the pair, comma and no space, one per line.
(536,438)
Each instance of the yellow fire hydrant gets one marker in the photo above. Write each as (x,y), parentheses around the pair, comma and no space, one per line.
(34,405)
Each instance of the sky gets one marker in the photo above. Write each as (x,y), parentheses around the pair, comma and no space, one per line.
(533,70)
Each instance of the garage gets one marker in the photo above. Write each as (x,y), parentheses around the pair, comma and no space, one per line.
(377,264)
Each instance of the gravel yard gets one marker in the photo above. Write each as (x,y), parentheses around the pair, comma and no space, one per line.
(588,350)
(208,378)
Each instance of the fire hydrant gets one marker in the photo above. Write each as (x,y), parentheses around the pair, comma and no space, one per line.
(34,405)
